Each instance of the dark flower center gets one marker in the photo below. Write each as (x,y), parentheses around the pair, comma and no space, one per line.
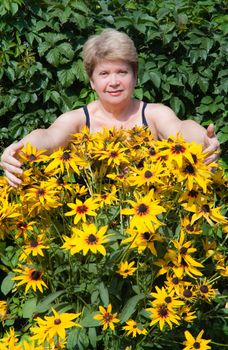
(35,275)
(146,235)
(187,293)
(183,250)
(33,243)
(108,317)
(32,157)
(152,151)
(148,174)
(196,345)
(175,280)
(92,239)
(22,225)
(190,228)
(163,311)
(178,149)
(193,193)
(66,156)
(113,154)
(57,321)
(189,169)
(104,196)
(81,209)
(205,208)
(168,300)
(40,192)
(204,289)
(142,209)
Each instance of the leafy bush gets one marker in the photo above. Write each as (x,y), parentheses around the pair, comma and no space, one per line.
(182,51)
(127,243)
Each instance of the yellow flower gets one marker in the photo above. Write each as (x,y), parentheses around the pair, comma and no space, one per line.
(205,290)
(30,154)
(150,175)
(107,197)
(82,209)
(186,314)
(34,246)
(53,326)
(106,318)
(65,160)
(133,328)
(162,314)
(90,239)
(3,309)
(164,297)
(192,343)
(144,210)
(114,153)
(126,269)
(31,277)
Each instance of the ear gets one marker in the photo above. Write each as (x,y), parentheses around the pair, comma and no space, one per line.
(92,84)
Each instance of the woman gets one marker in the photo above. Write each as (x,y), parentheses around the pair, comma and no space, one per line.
(111,63)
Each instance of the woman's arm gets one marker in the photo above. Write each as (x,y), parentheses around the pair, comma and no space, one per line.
(57,135)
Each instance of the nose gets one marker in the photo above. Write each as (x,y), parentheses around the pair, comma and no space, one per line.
(114,79)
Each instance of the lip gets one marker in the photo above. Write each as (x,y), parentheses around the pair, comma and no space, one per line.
(115,93)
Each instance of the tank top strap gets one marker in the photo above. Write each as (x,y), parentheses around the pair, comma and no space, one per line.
(85,109)
(144,121)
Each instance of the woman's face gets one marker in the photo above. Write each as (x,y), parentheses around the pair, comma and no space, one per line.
(113,81)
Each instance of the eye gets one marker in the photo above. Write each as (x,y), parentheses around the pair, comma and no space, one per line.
(122,72)
(103,73)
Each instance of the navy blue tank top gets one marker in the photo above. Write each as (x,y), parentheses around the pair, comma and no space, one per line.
(144,121)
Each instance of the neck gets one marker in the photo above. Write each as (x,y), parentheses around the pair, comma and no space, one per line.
(118,112)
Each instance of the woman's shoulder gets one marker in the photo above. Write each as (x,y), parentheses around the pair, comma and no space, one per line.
(155,109)
(74,120)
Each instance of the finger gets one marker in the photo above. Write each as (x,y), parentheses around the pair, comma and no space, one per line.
(211,130)
(211,159)
(10,168)
(12,179)
(10,160)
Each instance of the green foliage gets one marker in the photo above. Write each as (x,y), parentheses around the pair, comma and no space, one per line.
(181,45)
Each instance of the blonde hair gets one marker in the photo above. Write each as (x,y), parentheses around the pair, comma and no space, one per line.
(110,44)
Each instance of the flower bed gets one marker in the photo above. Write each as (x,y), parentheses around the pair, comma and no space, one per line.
(115,243)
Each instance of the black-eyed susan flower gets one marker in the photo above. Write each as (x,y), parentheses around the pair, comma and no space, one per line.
(107,197)
(65,160)
(162,314)
(34,246)
(188,228)
(150,174)
(22,227)
(42,196)
(106,317)
(30,154)
(207,211)
(144,210)
(114,153)
(192,343)
(30,276)
(165,297)
(7,211)
(187,314)
(126,269)
(191,174)
(9,341)
(81,210)
(52,326)
(142,238)
(90,238)
(205,290)
(133,328)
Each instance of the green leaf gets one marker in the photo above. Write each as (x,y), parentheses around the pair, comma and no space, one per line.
(29,308)
(45,304)
(103,290)
(7,283)
(93,337)
(88,321)
(130,307)
(66,77)
(155,78)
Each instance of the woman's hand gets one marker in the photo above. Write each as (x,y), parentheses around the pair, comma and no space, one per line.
(11,165)
(212,146)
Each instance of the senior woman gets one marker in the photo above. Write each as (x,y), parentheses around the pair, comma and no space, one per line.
(111,62)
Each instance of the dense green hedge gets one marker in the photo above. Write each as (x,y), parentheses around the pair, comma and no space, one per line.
(182,48)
